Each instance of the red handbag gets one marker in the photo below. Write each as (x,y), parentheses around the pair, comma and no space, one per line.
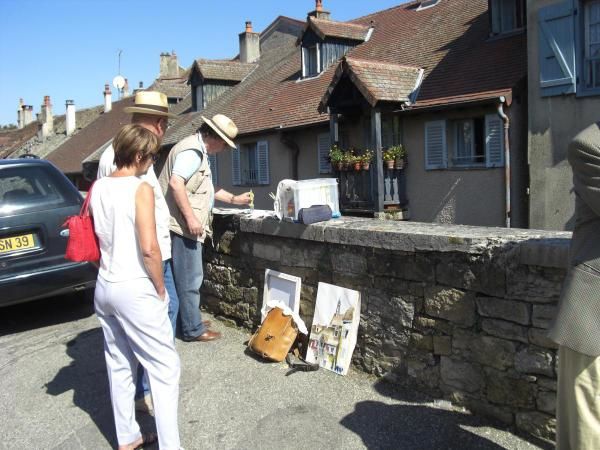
(83,242)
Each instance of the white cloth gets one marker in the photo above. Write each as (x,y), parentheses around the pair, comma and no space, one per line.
(136,328)
(106,166)
(113,208)
(287,311)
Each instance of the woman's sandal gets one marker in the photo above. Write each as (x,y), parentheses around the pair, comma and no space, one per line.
(147,439)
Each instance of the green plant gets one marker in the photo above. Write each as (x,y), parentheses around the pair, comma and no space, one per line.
(336,154)
(389,155)
(366,157)
(398,151)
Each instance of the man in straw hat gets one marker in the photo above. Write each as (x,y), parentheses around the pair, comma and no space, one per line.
(186,181)
(151,111)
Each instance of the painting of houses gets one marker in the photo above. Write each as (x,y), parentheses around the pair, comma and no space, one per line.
(335,326)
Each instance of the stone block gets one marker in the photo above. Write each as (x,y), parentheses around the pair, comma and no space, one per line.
(547,384)
(492,352)
(442,345)
(510,391)
(421,342)
(546,402)
(401,311)
(479,273)
(543,315)
(539,337)
(460,375)
(505,330)
(534,360)
(451,304)
(537,423)
(534,284)
(305,254)
(498,308)
(269,252)
(349,262)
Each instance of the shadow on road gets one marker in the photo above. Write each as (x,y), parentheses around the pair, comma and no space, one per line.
(384,426)
(86,377)
(45,312)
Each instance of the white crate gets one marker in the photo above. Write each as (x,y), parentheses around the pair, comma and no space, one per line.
(295,195)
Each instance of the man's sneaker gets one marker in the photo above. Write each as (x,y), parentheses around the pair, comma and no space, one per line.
(145,405)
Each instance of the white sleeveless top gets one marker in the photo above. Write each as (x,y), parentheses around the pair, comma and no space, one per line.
(113,208)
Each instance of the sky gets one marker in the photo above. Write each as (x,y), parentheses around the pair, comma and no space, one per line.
(69,49)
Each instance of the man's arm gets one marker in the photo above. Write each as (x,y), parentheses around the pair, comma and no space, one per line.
(106,165)
(227,197)
(584,157)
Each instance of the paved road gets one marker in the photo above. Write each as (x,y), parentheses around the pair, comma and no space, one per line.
(54,395)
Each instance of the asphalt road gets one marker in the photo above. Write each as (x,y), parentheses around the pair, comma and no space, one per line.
(54,395)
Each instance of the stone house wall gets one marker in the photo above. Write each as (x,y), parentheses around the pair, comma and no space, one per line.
(455,311)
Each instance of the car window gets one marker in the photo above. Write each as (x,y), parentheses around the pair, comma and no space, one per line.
(33,188)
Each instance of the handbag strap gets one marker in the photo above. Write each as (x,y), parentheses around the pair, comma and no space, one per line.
(302,366)
(85,208)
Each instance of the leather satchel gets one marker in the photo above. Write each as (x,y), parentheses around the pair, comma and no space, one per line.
(83,242)
(275,336)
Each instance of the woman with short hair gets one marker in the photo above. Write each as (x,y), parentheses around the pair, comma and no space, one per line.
(130,301)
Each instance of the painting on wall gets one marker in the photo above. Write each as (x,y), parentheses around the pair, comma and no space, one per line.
(334,328)
(280,288)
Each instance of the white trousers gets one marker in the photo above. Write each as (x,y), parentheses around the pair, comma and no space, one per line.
(136,328)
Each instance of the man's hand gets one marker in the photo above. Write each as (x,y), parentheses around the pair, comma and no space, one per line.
(243,199)
(194,226)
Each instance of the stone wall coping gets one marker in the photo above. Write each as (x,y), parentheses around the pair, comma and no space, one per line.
(536,247)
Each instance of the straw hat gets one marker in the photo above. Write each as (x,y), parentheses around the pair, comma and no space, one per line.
(224,127)
(150,102)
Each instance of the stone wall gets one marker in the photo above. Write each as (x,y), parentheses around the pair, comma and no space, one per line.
(458,312)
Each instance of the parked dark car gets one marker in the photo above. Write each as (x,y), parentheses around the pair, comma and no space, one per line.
(35,200)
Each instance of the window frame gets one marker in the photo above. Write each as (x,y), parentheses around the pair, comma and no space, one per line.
(581,49)
(519,16)
(240,164)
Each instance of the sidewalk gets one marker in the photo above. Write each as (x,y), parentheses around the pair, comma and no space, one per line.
(229,400)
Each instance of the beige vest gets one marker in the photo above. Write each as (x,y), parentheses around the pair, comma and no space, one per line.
(200,190)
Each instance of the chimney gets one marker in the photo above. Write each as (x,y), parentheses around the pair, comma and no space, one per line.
(249,45)
(70,117)
(169,65)
(27,115)
(140,87)
(46,118)
(319,12)
(107,99)
(20,114)
(126,89)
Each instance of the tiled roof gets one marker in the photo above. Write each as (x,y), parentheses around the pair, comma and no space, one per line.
(171,87)
(376,81)
(449,41)
(11,140)
(69,156)
(329,28)
(227,70)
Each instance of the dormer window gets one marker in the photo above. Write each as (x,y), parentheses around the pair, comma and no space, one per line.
(427,4)
(311,61)
(507,15)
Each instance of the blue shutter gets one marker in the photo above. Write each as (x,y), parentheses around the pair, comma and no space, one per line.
(494,141)
(436,152)
(323,144)
(212,161)
(557,49)
(263,162)
(236,178)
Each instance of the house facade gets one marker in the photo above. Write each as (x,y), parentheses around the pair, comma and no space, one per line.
(564,89)
(445,79)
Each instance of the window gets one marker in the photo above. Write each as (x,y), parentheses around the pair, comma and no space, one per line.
(250,164)
(507,15)
(310,61)
(475,142)
(323,145)
(199,98)
(469,144)
(390,131)
(591,40)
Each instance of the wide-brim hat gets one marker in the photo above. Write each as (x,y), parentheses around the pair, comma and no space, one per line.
(224,127)
(150,102)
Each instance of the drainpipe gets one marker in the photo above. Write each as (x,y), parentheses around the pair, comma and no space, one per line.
(506,121)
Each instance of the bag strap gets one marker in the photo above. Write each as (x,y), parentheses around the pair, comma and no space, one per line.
(85,208)
(302,366)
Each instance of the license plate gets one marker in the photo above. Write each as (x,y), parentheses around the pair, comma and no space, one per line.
(17,243)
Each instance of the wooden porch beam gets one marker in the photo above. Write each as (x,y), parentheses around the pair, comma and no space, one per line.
(376,142)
